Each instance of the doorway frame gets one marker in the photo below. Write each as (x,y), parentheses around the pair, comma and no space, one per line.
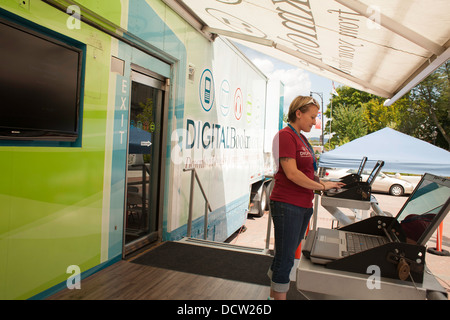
(147,77)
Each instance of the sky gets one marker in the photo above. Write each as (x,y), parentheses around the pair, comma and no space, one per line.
(296,81)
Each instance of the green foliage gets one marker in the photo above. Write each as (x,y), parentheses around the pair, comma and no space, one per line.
(145,118)
(423,113)
(349,124)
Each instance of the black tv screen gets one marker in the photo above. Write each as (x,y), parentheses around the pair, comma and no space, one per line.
(40,83)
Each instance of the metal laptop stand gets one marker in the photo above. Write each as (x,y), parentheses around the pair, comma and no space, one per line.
(331,204)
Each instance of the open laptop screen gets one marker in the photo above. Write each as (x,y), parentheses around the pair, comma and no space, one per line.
(361,166)
(375,171)
(425,209)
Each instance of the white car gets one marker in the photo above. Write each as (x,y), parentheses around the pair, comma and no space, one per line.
(383,183)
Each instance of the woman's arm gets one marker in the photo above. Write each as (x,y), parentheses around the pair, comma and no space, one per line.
(289,166)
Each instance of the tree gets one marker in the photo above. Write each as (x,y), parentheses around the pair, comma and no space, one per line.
(351,97)
(412,118)
(377,116)
(347,119)
(145,119)
(432,97)
(423,113)
(348,124)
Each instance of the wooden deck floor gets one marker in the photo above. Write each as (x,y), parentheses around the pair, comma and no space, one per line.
(129,281)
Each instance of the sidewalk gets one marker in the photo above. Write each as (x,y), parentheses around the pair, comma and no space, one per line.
(255,232)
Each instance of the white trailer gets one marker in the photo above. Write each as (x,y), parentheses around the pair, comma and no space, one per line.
(224,138)
(259,197)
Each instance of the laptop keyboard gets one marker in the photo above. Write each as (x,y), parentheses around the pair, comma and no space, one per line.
(361,242)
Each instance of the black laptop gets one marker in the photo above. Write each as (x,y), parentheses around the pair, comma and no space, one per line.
(357,190)
(353,177)
(415,223)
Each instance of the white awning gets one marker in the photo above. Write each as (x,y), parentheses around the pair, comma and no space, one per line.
(384,47)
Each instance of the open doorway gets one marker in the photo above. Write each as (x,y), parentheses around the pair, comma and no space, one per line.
(143,183)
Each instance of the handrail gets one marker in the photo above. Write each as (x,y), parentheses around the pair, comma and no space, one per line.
(191,205)
(269,220)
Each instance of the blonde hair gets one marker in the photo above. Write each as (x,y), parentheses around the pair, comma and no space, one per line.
(301,103)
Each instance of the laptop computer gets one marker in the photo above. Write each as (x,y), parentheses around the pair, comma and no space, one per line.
(353,177)
(359,190)
(375,171)
(418,219)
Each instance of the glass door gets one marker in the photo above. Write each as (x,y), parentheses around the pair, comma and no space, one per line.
(144,161)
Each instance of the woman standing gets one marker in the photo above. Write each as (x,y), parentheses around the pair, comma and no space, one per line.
(293,193)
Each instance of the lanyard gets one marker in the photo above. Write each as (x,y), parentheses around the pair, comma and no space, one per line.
(307,145)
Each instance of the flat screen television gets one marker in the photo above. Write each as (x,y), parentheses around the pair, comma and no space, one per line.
(40,85)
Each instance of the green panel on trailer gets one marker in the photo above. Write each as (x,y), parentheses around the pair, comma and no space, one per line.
(51,212)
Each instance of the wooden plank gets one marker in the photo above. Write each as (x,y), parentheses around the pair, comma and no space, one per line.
(129,281)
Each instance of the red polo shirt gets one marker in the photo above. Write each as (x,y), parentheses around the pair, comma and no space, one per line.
(287,144)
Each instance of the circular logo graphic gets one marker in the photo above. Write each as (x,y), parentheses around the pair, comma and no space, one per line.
(206,90)
(236,24)
(238,104)
(224,97)
(230,1)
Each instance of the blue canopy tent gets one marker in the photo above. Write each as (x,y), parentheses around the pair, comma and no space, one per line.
(140,141)
(400,152)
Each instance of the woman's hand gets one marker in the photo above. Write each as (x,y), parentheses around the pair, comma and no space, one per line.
(289,166)
(332,185)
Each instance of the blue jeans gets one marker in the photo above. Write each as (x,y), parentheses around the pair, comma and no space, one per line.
(290,223)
